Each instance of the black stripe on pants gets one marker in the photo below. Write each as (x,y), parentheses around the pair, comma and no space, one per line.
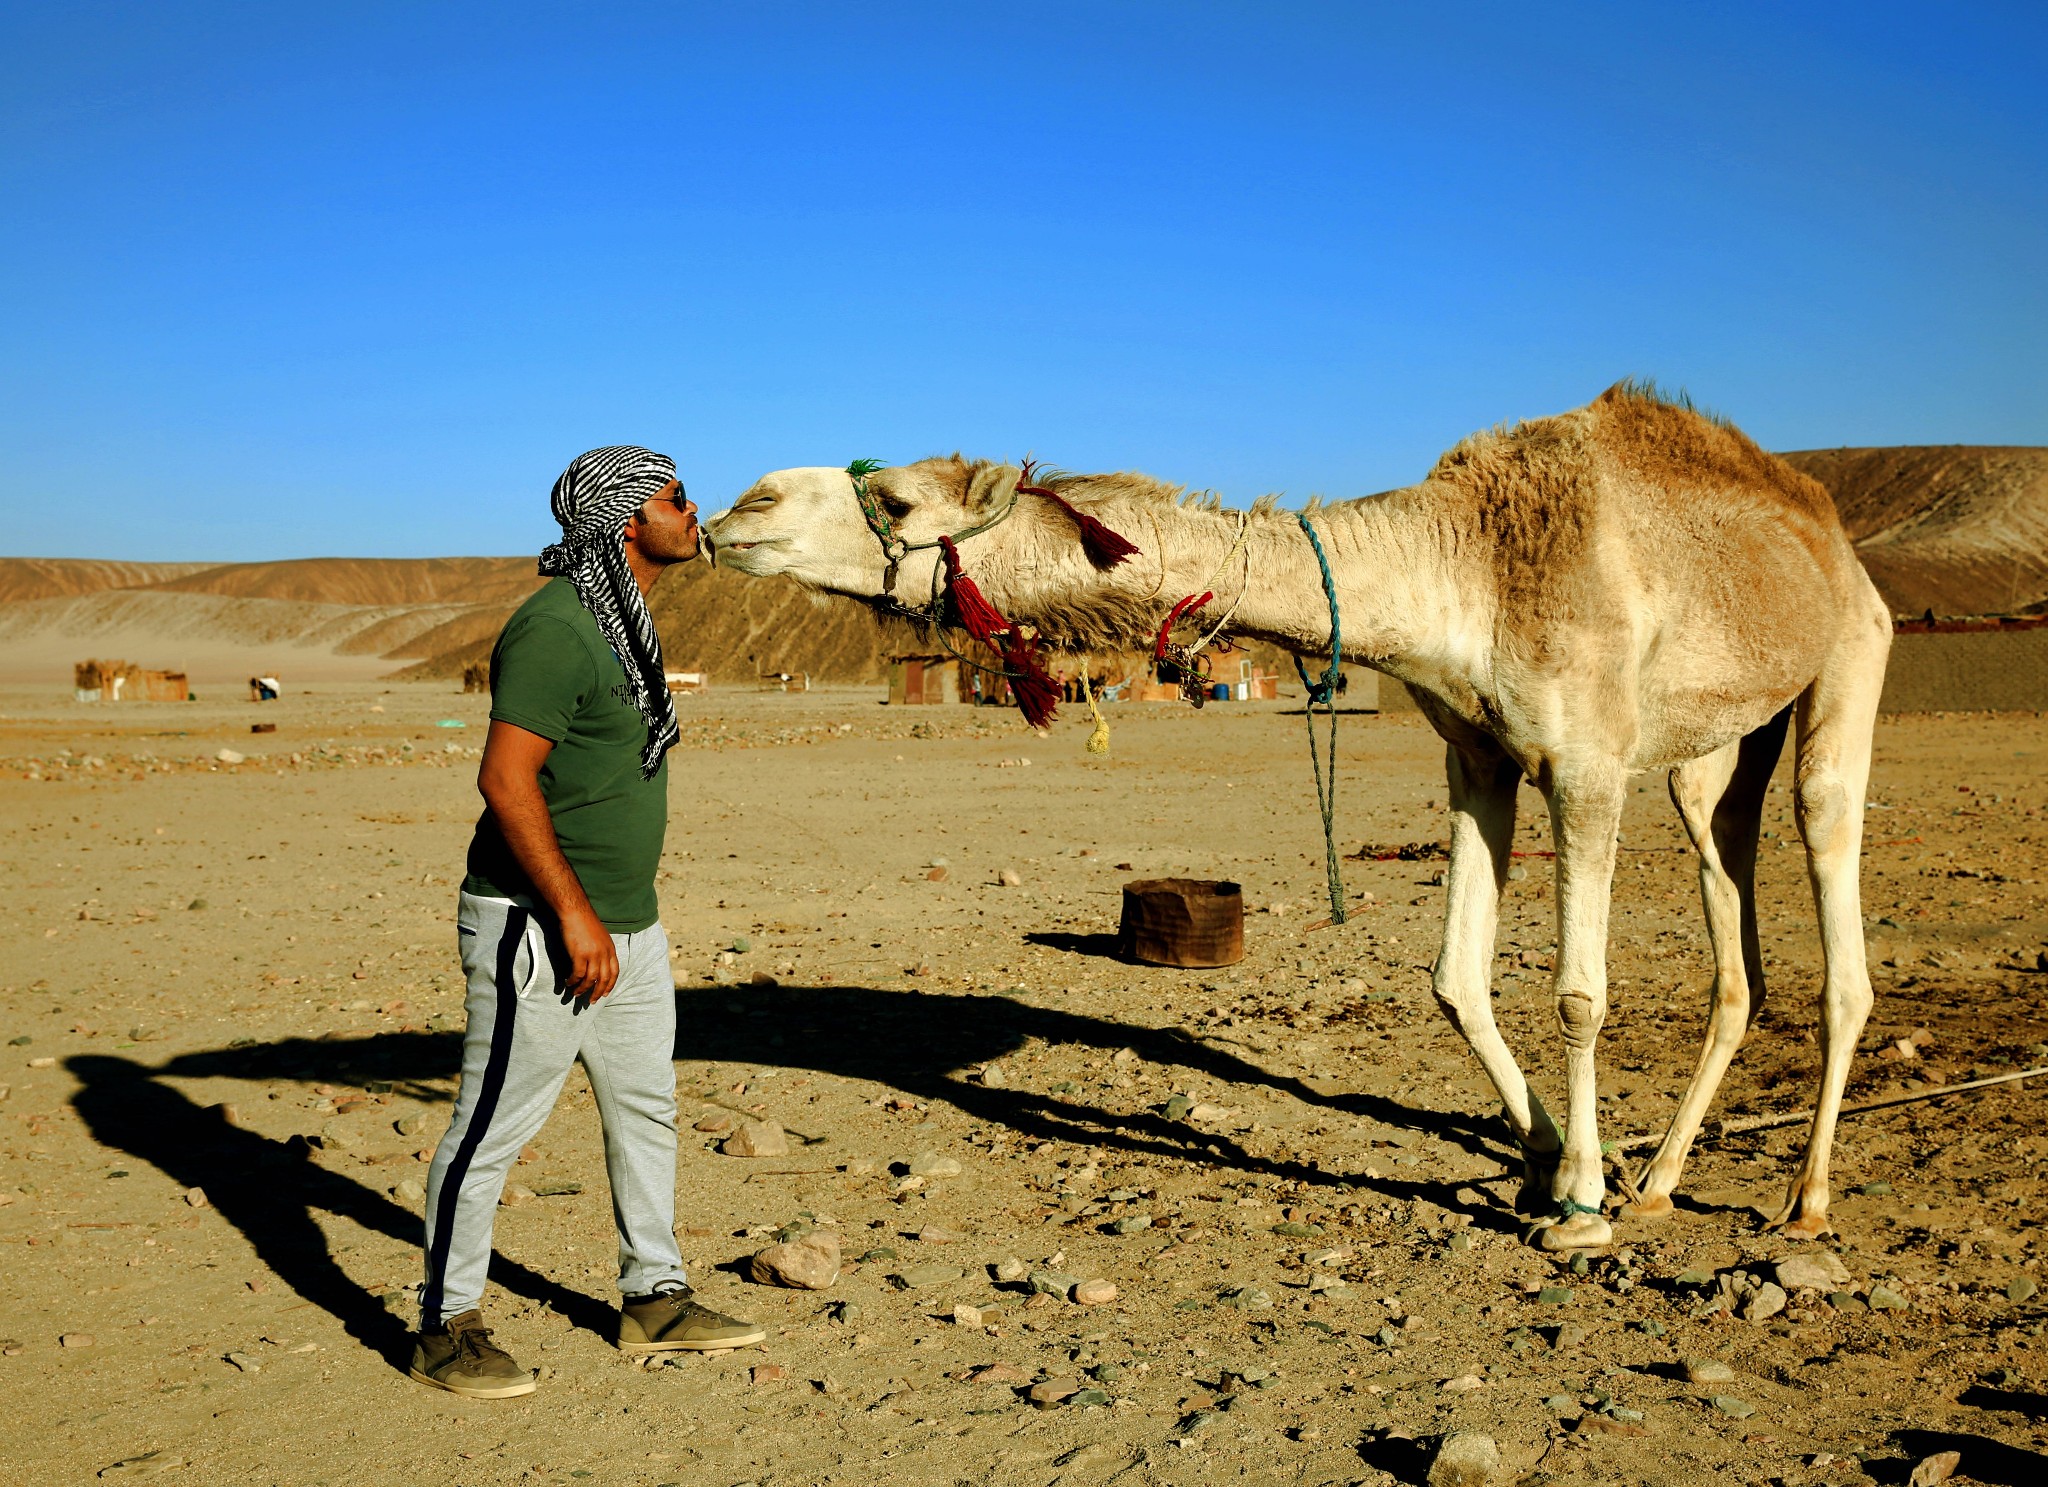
(492,1085)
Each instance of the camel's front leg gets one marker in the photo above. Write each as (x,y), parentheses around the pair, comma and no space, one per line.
(1482,793)
(1585,813)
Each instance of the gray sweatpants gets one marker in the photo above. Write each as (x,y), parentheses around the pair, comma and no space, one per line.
(523,1035)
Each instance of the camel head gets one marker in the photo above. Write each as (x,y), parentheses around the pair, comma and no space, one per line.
(806,523)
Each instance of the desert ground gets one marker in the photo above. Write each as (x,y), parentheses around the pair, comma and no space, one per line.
(230,1012)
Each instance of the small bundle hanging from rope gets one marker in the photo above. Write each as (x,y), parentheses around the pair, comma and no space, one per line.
(1323,693)
(1098,739)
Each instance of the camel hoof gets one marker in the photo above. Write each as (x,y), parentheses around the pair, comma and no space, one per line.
(1806,1226)
(1580,1231)
(1649,1206)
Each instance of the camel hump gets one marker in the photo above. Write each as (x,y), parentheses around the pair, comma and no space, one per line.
(1659,439)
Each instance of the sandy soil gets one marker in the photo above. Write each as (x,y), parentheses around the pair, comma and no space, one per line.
(226,985)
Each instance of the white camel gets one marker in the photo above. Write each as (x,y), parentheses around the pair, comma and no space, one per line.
(1627,586)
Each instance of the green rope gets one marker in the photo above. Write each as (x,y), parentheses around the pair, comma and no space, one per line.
(1571,1208)
(1325,693)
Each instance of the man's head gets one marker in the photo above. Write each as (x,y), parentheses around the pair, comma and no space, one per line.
(664,529)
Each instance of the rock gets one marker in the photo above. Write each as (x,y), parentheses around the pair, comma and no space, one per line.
(1884,1298)
(1570,1335)
(807,1264)
(1819,1271)
(1131,1224)
(713,1123)
(919,1276)
(1094,1293)
(756,1138)
(1291,1230)
(1874,1190)
(1009,877)
(1081,1399)
(517,1195)
(1594,1423)
(2021,1288)
(767,1373)
(876,1255)
(1010,1269)
(1246,1298)
(229,756)
(1052,1393)
(1728,1404)
(1466,1458)
(75,1340)
(994,1076)
(933,1234)
(410,1190)
(1554,1296)
(1053,1283)
(244,1362)
(967,1316)
(999,1373)
(1936,1469)
(1844,1301)
(931,1164)
(195,1197)
(1177,1107)
(935,875)
(1764,1303)
(336,1137)
(1706,1371)
(410,1125)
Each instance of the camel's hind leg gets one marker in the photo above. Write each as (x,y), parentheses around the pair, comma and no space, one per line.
(1482,792)
(1836,715)
(1720,798)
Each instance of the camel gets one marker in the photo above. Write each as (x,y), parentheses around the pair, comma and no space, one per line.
(1628,586)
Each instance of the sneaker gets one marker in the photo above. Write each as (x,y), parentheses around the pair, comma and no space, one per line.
(672,1321)
(463,1360)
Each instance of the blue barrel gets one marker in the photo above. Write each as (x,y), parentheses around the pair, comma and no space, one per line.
(1221,691)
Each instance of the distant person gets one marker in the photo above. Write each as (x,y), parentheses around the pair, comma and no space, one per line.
(559,927)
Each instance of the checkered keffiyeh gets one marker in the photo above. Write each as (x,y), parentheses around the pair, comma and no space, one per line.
(592,501)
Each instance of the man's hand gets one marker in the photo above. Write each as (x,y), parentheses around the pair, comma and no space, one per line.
(593,958)
(509,781)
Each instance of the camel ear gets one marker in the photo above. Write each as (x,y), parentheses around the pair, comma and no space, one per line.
(991,488)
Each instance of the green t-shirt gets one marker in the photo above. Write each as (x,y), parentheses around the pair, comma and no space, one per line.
(553,674)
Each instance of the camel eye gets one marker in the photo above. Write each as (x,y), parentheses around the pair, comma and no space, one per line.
(896,507)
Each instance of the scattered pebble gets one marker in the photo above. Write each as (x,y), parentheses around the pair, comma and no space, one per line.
(195,1197)
(410,1190)
(75,1340)
(244,1362)
(756,1138)
(1094,1293)
(1884,1298)
(1467,1458)
(1010,1269)
(1819,1271)
(1936,1469)
(1729,1404)
(931,1164)
(810,1263)
(1706,1371)
(2021,1288)
(1764,1303)
(919,1276)
(1009,877)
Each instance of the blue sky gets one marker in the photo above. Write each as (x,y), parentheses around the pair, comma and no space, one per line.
(282,280)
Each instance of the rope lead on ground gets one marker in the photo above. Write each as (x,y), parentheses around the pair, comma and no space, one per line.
(1324,692)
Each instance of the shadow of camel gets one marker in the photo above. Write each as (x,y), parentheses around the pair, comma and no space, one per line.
(924,1042)
(918,1043)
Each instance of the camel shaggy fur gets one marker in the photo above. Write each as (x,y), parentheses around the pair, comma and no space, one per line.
(1624,587)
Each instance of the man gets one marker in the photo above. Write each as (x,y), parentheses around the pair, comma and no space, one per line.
(559,928)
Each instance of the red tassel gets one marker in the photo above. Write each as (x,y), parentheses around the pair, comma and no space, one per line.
(1104,547)
(1037,694)
(977,616)
(1174,616)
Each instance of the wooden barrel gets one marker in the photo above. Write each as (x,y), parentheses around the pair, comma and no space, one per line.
(1182,922)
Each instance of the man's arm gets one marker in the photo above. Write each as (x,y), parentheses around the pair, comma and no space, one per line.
(509,781)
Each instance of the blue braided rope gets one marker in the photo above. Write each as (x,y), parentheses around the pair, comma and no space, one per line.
(1324,693)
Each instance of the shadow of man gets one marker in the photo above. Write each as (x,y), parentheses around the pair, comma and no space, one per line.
(270,1190)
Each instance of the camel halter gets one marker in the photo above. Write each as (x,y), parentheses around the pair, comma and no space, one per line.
(1036,692)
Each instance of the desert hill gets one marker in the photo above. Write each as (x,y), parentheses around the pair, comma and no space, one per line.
(1958,529)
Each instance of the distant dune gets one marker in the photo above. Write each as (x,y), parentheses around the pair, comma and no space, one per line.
(1960,530)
